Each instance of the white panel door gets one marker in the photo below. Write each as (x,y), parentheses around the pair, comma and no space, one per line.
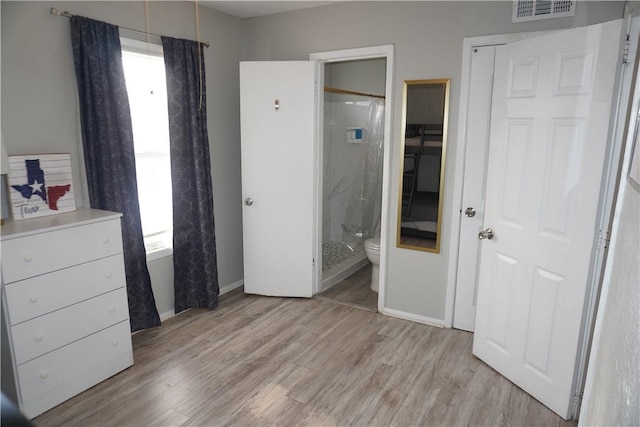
(477,147)
(552,100)
(277,110)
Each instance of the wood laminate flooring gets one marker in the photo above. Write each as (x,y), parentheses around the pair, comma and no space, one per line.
(354,291)
(421,242)
(295,362)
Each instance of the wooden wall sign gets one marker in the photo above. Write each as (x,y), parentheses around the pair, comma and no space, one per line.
(40,184)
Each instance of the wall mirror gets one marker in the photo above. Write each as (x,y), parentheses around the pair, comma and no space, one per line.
(424,141)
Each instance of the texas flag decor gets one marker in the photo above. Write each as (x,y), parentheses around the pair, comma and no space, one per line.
(40,184)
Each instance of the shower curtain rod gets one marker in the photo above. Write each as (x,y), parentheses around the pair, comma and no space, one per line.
(350,92)
(66,14)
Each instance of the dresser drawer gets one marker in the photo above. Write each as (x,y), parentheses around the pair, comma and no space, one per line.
(56,329)
(42,253)
(43,294)
(65,365)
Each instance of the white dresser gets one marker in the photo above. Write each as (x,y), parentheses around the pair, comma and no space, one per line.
(65,320)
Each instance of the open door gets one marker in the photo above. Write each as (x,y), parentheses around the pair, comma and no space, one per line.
(277,110)
(551,105)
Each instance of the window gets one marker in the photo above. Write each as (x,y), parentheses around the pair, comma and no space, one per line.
(146,86)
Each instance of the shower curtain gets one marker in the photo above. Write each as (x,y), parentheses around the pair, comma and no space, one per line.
(365,204)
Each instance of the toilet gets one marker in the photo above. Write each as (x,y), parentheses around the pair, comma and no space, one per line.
(372,251)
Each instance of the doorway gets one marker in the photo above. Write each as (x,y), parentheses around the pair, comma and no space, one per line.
(366,71)
(352,147)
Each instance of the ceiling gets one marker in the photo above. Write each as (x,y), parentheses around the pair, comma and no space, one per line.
(250,9)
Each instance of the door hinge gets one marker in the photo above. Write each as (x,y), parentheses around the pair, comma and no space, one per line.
(577,403)
(625,54)
(602,240)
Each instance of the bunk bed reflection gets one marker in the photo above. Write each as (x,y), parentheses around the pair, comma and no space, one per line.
(421,180)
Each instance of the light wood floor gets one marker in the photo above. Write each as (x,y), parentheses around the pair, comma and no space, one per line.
(275,361)
(354,291)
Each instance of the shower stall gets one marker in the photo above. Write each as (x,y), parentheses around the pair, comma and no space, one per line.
(352,181)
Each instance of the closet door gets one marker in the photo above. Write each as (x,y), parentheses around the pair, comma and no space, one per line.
(475,169)
(277,106)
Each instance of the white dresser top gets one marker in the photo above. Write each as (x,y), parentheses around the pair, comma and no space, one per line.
(81,216)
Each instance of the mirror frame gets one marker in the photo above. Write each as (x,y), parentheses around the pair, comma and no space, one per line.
(445,125)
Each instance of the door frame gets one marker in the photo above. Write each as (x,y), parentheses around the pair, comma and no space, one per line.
(609,185)
(321,58)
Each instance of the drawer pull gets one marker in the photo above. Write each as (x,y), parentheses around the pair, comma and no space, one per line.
(44,374)
(109,275)
(34,297)
(39,336)
(28,258)
(115,342)
(105,240)
(112,309)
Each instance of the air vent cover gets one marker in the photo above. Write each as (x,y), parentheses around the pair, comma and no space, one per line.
(533,10)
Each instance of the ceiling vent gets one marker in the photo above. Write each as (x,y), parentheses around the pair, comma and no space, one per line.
(533,10)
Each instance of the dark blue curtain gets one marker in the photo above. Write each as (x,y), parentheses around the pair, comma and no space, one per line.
(109,156)
(194,243)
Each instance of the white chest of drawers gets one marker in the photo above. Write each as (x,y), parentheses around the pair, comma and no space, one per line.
(65,320)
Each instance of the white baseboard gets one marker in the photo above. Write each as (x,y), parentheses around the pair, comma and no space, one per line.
(413,317)
(231,286)
(223,290)
(166,315)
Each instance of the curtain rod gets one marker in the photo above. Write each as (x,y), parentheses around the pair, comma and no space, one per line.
(66,14)
(351,92)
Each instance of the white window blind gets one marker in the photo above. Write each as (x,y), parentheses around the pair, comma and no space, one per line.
(146,86)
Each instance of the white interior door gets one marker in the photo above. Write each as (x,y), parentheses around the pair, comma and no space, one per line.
(277,110)
(552,100)
(477,146)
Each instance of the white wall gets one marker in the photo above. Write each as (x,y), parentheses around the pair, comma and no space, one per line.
(428,39)
(366,76)
(40,109)
(425,103)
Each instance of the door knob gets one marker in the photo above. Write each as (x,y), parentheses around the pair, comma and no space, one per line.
(486,234)
(470,212)
(248,201)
